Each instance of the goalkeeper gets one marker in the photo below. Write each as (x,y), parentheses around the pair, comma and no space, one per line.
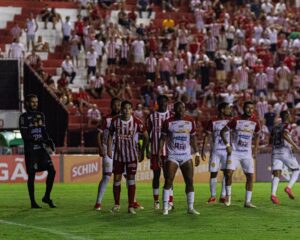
(36,142)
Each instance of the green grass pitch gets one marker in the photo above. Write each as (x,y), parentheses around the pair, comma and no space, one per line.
(75,218)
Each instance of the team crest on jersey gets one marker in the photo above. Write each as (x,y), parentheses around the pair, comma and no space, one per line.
(213,164)
(107,164)
(228,162)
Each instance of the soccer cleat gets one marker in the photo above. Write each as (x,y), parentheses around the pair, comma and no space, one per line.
(131,210)
(222,199)
(49,202)
(227,201)
(289,192)
(249,205)
(115,209)
(171,206)
(35,205)
(136,205)
(97,207)
(193,211)
(156,205)
(165,211)
(275,199)
(211,200)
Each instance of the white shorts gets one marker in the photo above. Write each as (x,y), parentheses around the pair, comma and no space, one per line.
(107,165)
(245,160)
(179,162)
(217,160)
(285,158)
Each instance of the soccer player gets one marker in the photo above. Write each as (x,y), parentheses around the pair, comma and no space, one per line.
(154,124)
(124,128)
(36,140)
(179,134)
(244,128)
(218,154)
(107,162)
(282,154)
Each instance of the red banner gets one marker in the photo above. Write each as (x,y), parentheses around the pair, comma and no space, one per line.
(13,170)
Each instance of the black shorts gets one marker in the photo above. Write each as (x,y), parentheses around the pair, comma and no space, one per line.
(111,61)
(180,77)
(66,38)
(38,160)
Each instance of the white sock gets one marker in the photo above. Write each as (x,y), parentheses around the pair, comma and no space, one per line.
(190,199)
(223,193)
(155,191)
(171,191)
(248,196)
(275,182)
(213,186)
(294,177)
(166,196)
(228,190)
(102,187)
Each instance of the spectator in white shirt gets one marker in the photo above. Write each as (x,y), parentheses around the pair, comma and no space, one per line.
(16,50)
(91,61)
(94,116)
(31,28)
(280,7)
(99,47)
(138,49)
(68,68)
(96,85)
(66,31)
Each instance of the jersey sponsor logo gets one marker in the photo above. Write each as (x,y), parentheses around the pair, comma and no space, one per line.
(228,162)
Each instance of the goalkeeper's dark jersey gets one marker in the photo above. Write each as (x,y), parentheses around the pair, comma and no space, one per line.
(33,131)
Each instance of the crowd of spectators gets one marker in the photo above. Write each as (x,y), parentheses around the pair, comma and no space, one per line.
(215,51)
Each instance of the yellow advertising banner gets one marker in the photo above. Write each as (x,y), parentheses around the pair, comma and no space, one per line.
(88,169)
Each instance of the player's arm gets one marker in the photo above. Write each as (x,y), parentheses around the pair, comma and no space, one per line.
(24,129)
(149,129)
(110,140)
(288,138)
(256,144)
(45,137)
(144,146)
(161,143)
(204,144)
(100,143)
(195,148)
(223,136)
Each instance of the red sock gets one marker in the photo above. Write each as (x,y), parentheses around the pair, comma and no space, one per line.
(131,194)
(117,191)
(156,197)
(171,199)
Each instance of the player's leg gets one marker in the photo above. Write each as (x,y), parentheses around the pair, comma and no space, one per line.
(294,167)
(155,181)
(118,168)
(131,187)
(187,170)
(171,192)
(49,186)
(248,168)
(30,186)
(213,168)
(106,175)
(170,172)
(223,160)
(277,166)
(231,165)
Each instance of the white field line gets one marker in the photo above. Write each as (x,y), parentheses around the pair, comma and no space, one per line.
(42,229)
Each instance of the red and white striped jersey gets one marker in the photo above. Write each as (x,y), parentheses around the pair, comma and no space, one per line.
(261,81)
(283,72)
(111,49)
(214,127)
(125,138)
(124,48)
(243,129)
(239,49)
(178,133)
(270,71)
(211,44)
(262,108)
(151,64)
(242,75)
(154,125)
(250,59)
(179,66)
